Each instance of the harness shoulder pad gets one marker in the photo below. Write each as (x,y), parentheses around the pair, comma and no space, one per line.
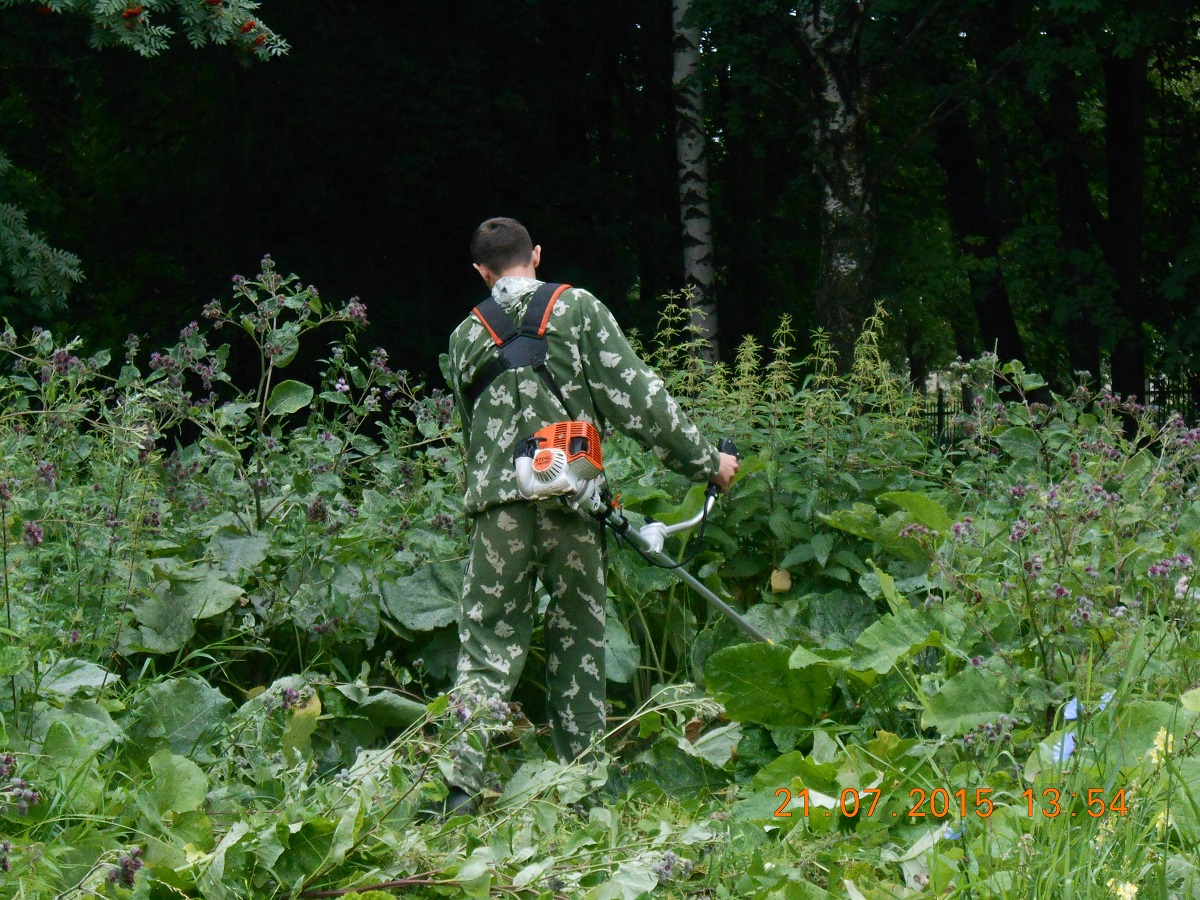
(537,313)
(497,322)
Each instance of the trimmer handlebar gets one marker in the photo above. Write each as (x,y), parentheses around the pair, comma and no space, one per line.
(655,533)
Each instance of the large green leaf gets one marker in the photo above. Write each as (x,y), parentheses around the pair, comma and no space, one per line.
(630,881)
(297,740)
(391,710)
(1138,726)
(755,684)
(893,638)
(1019,442)
(1191,700)
(74,762)
(183,714)
(71,676)
(716,747)
(90,722)
(861,520)
(924,510)
(791,772)
(211,594)
(167,616)
(289,397)
(621,653)
(216,868)
(1185,802)
(346,834)
(803,657)
(427,599)
(236,552)
(972,697)
(179,784)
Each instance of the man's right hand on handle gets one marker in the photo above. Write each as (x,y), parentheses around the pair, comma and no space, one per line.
(724,477)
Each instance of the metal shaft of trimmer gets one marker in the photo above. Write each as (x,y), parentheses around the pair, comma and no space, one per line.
(658,556)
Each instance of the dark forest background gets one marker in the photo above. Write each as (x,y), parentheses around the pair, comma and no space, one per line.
(1018,176)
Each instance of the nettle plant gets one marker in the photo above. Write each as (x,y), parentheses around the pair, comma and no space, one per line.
(813,445)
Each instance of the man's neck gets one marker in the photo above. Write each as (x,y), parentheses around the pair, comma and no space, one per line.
(518,272)
(513,286)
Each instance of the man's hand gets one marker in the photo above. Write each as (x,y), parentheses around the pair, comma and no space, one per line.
(724,477)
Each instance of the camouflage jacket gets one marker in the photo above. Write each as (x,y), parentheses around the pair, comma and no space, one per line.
(598,374)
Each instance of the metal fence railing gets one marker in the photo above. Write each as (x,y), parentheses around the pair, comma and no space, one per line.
(1174,398)
(941,421)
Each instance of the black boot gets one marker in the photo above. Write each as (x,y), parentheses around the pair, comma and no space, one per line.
(456,803)
(459,803)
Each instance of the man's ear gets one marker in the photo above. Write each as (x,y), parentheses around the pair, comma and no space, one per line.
(536,259)
(485,273)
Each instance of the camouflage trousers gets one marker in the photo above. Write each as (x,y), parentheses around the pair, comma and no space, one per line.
(512,545)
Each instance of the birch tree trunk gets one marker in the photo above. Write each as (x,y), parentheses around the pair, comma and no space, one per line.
(691,150)
(830,45)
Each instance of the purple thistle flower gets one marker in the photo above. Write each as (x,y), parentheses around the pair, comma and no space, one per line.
(46,473)
(1160,569)
(33,534)
(379,360)
(356,311)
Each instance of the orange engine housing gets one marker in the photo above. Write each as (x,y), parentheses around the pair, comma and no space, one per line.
(579,441)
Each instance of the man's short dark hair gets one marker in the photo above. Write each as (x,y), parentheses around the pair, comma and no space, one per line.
(500,244)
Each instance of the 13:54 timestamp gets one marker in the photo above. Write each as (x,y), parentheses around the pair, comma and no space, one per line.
(1096,806)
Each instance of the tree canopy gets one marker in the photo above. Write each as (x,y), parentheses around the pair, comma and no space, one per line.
(1018,180)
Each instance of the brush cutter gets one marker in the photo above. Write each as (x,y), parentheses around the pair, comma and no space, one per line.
(563,460)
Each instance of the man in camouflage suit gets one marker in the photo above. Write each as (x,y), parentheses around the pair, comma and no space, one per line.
(601,380)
